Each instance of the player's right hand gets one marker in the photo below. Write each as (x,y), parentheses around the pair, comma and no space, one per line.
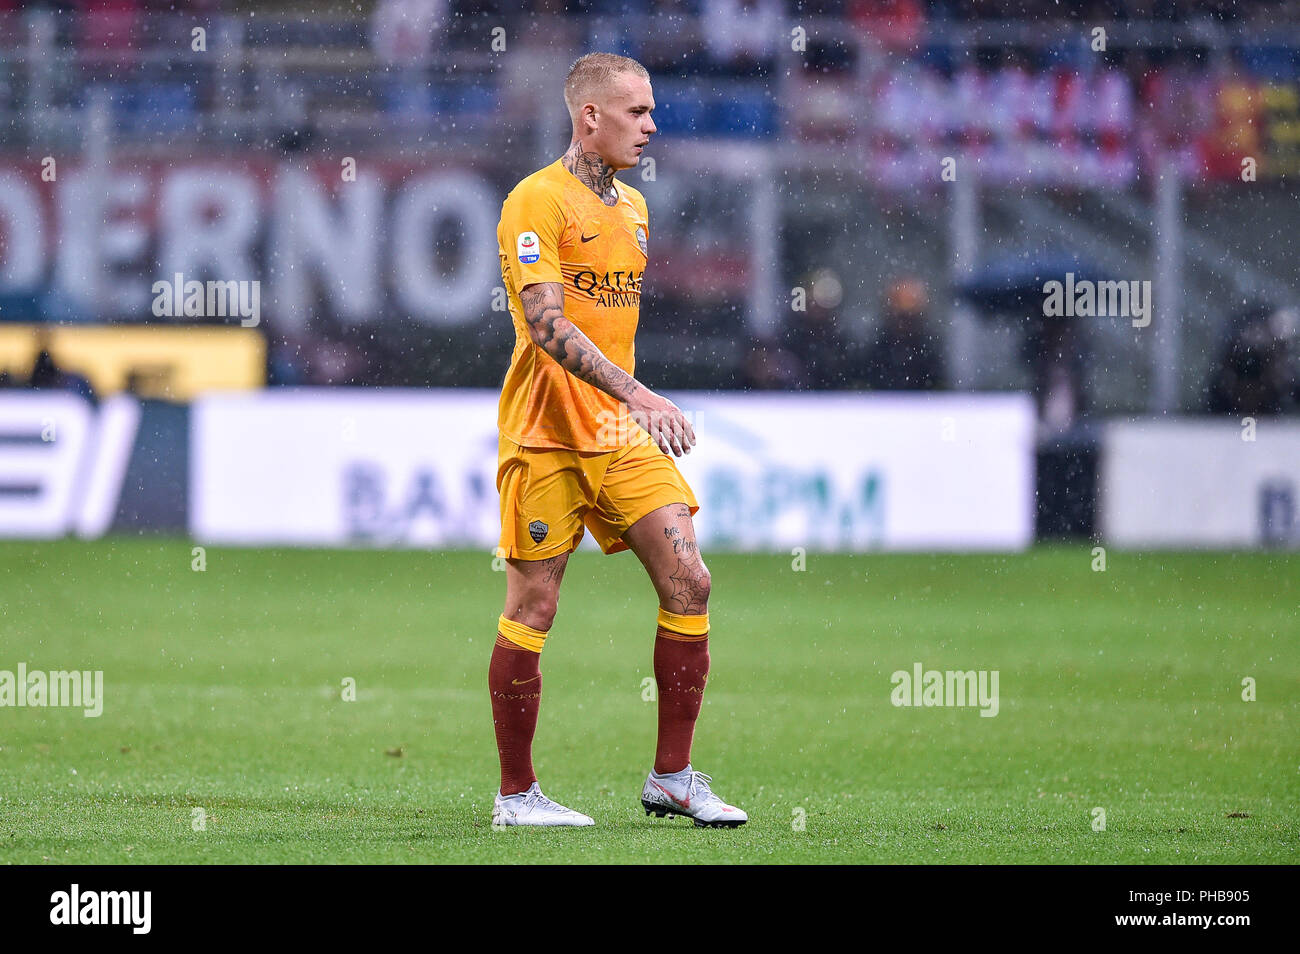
(663,421)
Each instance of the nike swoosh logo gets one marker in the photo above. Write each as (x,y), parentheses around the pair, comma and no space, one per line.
(675,801)
(588,238)
(516,682)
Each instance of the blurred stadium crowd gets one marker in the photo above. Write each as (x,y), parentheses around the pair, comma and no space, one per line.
(881,87)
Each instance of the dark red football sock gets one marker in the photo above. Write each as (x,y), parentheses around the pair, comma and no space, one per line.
(681,669)
(515,681)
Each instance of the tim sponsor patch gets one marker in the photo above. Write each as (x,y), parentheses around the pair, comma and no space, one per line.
(528,247)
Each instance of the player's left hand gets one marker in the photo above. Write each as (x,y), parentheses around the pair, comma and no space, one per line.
(663,421)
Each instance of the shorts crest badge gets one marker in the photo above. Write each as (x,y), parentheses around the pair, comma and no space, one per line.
(537,530)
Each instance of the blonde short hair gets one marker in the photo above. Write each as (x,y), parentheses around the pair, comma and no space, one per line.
(594,72)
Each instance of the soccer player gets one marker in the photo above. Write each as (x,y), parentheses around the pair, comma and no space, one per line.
(573,242)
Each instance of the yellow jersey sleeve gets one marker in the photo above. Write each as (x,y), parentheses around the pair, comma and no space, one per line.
(532,227)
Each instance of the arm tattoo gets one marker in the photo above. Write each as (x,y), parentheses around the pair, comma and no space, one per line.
(564,341)
(593,172)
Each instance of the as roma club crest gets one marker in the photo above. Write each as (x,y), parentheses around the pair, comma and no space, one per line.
(640,239)
(537,530)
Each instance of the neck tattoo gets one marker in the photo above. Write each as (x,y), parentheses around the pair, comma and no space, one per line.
(593,172)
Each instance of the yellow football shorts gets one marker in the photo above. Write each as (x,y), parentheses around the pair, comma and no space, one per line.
(548,494)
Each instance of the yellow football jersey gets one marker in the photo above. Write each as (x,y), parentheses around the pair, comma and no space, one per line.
(554,229)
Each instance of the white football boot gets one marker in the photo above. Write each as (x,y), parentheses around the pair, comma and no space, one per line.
(687,793)
(531,807)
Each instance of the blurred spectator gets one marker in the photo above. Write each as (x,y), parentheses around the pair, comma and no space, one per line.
(109,31)
(290,113)
(1237,128)
(1052,349)
(47,375)
(1179,102)
(831,360)
(1255,372)
(337,362)
(897,25)
(187,6)
(743,34)
(402,34)
(286,366)
(903,356)
(402,31)
(676,46)
(770,367)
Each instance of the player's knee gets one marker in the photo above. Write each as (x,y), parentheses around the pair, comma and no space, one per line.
(539,611)
(545,618)
(692,591)
(702,586)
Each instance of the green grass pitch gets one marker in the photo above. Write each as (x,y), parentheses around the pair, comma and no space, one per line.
(1119,690)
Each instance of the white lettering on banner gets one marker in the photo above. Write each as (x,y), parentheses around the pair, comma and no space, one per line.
(102,243)
(832,515)
(112,440)
(422,207)
(770,472)
(49,488)
(347,249)
(335,239)
(391,507)
(208,220)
